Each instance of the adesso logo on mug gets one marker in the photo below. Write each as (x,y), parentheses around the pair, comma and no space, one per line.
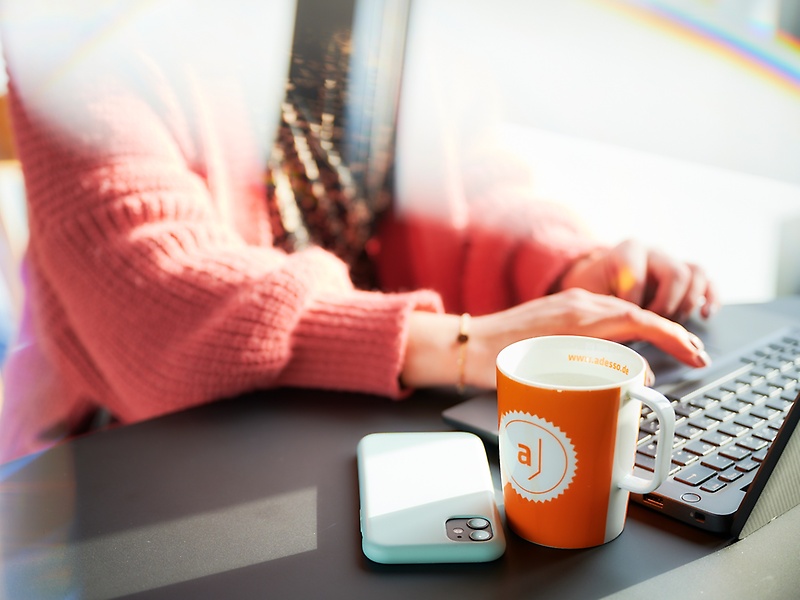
(543,457)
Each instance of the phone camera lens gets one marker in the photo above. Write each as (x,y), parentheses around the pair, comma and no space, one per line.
(477,523)
(480,535)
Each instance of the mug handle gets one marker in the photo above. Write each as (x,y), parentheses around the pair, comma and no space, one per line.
(664,440)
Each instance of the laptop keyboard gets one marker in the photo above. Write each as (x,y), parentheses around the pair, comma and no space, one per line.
(724,428)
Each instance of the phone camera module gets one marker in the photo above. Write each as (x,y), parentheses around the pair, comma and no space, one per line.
(469,529)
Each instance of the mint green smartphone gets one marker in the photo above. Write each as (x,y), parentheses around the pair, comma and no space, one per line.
(427,497)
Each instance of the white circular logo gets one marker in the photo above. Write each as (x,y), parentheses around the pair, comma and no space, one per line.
(538,459)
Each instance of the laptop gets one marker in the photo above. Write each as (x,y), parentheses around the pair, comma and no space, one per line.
(705,499)
(736,457)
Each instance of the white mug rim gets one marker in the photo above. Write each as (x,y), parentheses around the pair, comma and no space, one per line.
(634,377)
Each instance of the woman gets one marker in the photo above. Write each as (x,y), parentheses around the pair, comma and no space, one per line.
(155,281)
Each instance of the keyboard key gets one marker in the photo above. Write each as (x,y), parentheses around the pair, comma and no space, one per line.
(752,443)
(733,429)
(735,452)
(764,412)
(683,458)
(688,431)
(713,486)
(682,409)
(767,372)
(719,395)
(648,449)
(779,404)
(751,379)
(649,427)
(720,414)
(735,406)
(730,476)
(753,358)
(779,365)
(767,389)
(748,421)
(645,462)
(703,402)
(766,433)
(716,438)
(760,455)
(717,462)
(751,397)
(700,448)
(747,466)
(705,422)
(735,387)
(785,382)
(695,475)
(786,344)
(776,424)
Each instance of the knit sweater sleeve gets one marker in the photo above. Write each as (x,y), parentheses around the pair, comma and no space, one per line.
(145,289)
(517,245)
(499,247)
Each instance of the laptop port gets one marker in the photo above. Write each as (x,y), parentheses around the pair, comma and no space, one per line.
(654,501)
(698,516)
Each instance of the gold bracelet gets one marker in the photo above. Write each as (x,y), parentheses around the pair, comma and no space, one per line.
(461,340)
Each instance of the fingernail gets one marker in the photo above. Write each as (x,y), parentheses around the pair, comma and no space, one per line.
(696,342)
(703,358)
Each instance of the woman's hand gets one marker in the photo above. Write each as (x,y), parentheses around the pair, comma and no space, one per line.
(432,353)
(645,277)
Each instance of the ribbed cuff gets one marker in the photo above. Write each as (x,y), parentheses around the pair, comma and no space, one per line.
(355,342)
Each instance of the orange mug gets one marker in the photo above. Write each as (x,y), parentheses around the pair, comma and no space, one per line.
(568,411)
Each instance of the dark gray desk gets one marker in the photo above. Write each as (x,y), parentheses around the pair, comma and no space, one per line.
(257,497)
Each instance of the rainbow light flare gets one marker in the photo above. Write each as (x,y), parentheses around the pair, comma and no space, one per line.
(735,48)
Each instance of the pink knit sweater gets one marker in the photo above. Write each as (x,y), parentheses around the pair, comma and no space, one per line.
(153,284)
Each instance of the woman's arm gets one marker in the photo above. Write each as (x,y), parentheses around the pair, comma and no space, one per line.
(147,294)
(433,351)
